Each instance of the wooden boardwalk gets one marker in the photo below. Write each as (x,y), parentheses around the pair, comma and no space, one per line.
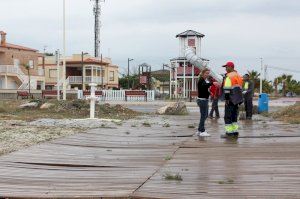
(129,162)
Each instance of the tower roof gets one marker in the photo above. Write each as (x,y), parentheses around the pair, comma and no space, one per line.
(190,33)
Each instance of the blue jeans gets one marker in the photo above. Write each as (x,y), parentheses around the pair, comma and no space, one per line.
(203,105)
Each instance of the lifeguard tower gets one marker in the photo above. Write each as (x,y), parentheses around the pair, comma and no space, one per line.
(184,75)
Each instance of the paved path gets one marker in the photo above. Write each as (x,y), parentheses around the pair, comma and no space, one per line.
(131,160)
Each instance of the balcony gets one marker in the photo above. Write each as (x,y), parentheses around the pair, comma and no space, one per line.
(9,69)
(87,80)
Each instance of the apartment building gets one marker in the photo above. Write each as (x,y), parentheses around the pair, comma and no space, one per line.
(19,66)
(81,70)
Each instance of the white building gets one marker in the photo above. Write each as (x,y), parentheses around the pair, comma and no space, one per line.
(183,75)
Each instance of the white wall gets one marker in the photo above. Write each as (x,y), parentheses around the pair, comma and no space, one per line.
(183,44)
(11,84)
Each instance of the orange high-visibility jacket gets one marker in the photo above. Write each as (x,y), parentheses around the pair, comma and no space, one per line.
(233,84)
(232,80)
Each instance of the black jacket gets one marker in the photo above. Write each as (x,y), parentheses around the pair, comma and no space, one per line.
(203,88)
(250,91)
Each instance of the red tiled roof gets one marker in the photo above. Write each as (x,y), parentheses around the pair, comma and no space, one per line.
(89,61)
(8,45)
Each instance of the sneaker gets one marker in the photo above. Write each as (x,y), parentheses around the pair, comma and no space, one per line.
(197,133)
(204,134)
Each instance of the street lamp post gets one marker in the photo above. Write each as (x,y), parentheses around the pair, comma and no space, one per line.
(64,52)
(129,60)
(82,66)
(58,73)
(261,76)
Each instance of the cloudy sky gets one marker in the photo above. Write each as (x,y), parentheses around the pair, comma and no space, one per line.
(241,31)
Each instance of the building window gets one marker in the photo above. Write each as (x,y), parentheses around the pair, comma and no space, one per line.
(112,76)
(53,73)
(191,42)
(31,63)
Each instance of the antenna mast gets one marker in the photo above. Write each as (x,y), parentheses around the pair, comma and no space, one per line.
(97,14)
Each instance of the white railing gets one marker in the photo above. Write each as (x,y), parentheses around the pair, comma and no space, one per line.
(90,79)
(87,80)
(11,69)
(75,79)
(119,95)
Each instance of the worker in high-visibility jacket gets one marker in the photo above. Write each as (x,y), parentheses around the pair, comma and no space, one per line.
(232,87)
(248,88)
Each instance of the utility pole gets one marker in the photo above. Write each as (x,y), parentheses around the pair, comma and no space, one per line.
(261,76)
(64,52)
(102,76)
(82,66)
(128,70)
(163,80)
(58,73)
(97,26)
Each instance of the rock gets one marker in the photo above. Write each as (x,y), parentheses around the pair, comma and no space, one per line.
(29,105)
(175,108)
(46,106)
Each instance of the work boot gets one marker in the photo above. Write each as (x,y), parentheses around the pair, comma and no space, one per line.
(231,135)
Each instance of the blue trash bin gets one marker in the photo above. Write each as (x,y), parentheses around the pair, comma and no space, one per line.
(263,103)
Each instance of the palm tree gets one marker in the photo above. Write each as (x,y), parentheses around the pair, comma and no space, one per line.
(267,86)
(286,79)
(254,76)
(288,84)
(277,81)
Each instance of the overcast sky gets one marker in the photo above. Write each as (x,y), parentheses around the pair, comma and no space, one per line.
(241,31)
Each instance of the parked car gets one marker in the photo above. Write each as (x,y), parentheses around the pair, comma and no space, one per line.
(291,94)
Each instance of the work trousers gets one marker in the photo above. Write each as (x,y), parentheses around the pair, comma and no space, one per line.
(248,102)
(231,113)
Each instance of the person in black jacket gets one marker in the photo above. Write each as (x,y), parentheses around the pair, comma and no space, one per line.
(248,88)
(202,101)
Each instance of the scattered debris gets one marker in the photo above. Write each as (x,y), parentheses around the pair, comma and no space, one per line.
(146,124)
(72,109)
(29,105)
(168,157)
(175,108)
(290,114)
(46,105)
(170,176)
(166,125)
(191,126)
(226,181)
(15,135)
